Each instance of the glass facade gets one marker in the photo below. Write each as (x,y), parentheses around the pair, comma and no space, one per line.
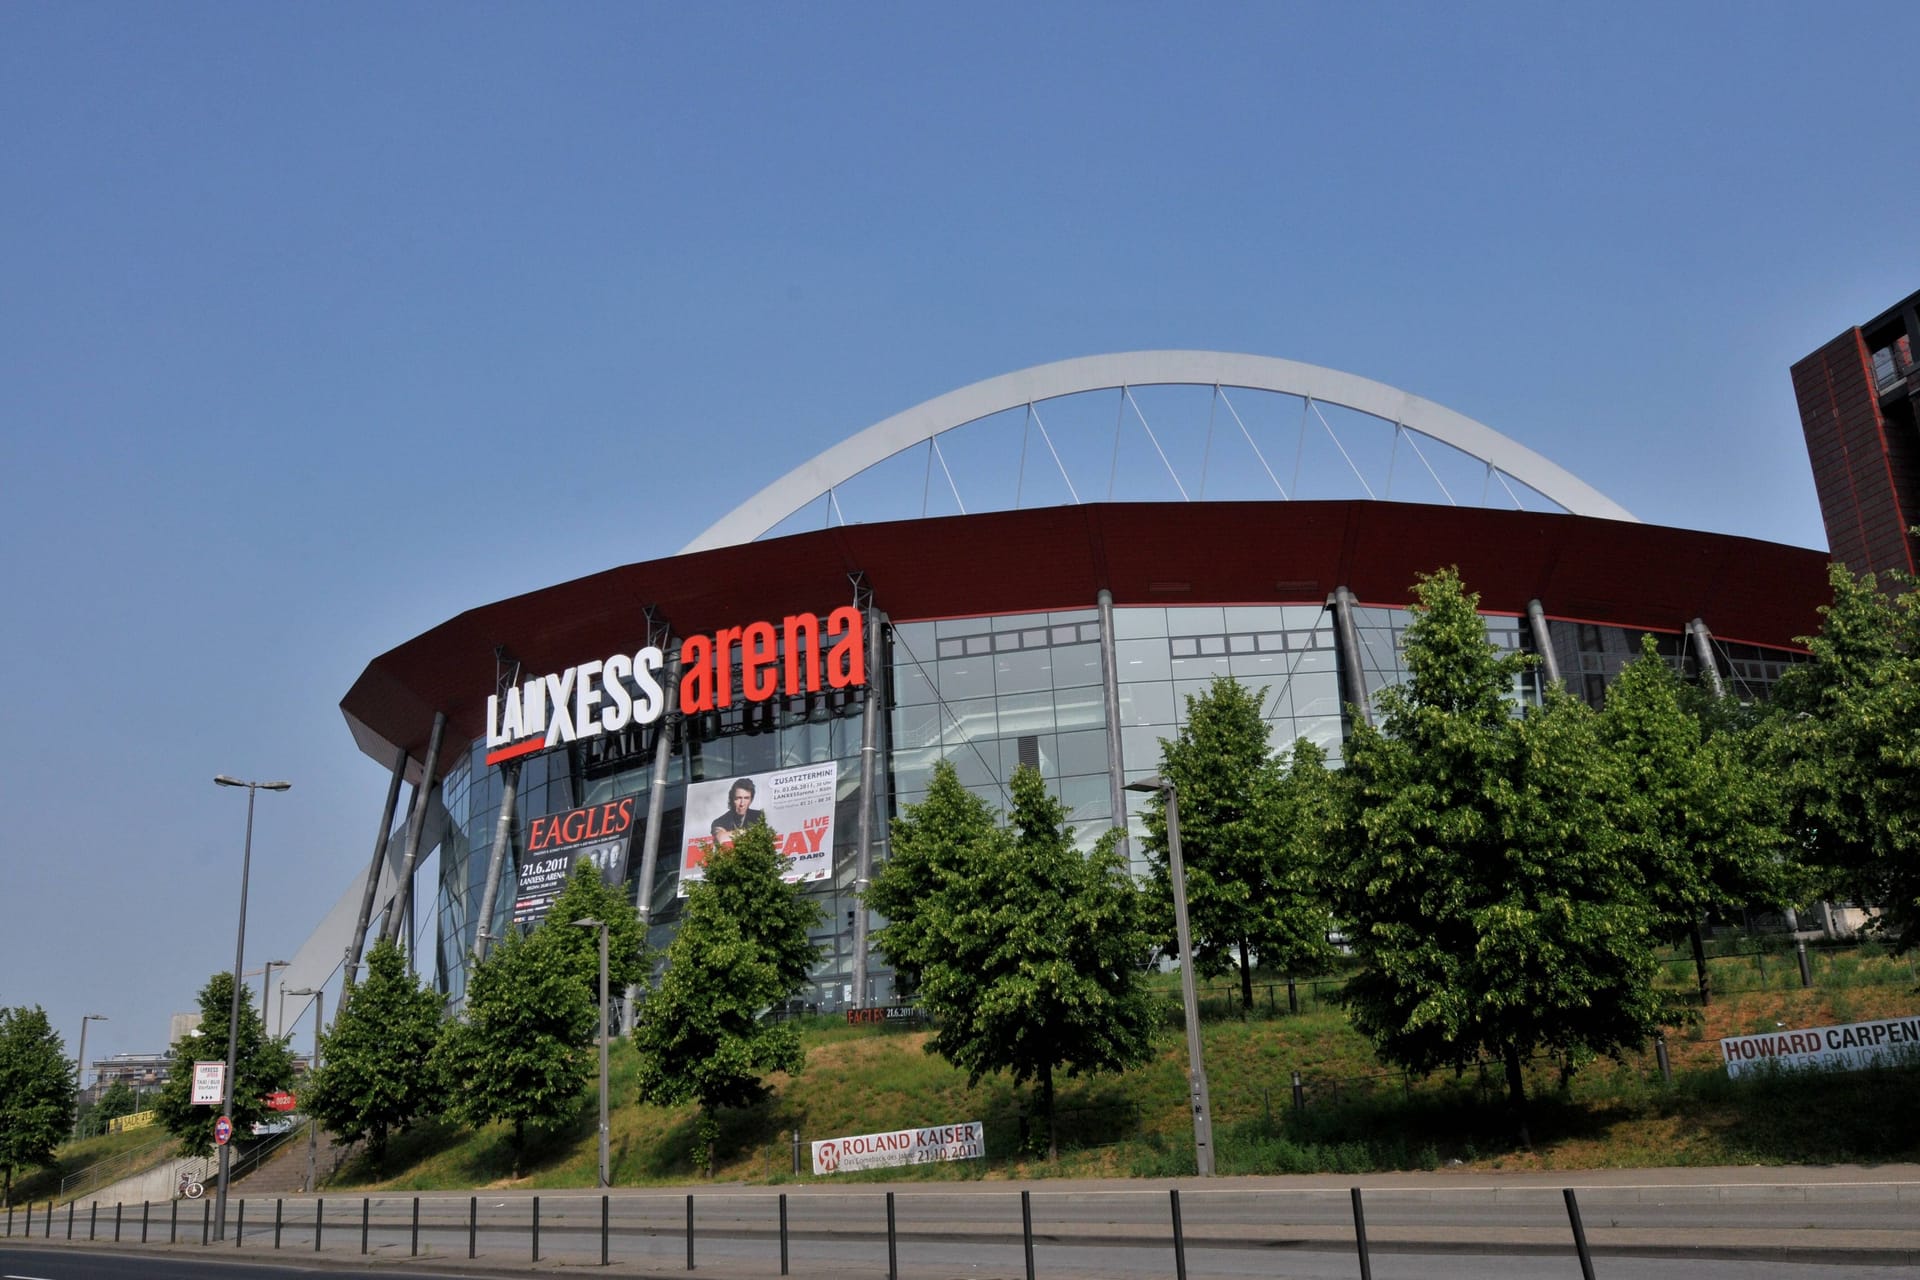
(988,694)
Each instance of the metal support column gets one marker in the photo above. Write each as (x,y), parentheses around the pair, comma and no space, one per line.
(372,888)
(657,793)
(1703,651)
(1110,683)
(417,825)
(1543,641)
(870,714)
(497,860)
(1353,680)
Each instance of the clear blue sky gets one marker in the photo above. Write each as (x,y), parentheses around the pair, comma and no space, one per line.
(323,323)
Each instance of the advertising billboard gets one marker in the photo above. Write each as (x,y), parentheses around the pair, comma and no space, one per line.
(1847,1048)
(558,842)
(796,803)
(901,1146)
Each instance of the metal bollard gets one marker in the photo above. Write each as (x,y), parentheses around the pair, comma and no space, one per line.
(173,1224)
(603,1229)
(1579,1235)
(319,1217)
(783,1233)
(70,1205)
(1293,996)
(536,1228)
(893,1251)
(1026,1228)
(796,1152)
(143,1222)
(93,1219)
(365,1213)
(1299,1093)
(689,1230)
(1360,1237)
(413,1244)
(473,1224)
(206,1220)
(1660,1055)
(239,1223)
(1179,1236)
(279,1205)
(116,1222)
(1806,970)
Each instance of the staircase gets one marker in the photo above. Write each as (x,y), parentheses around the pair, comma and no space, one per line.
(282,1171)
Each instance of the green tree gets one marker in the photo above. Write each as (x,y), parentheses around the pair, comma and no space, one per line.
(116,1101)
(1495,909)
(371,1082)
(1845,742)
(520,1055)
(1699,819)
(742,947)
(1030,955)
(587,896)
(262,1067)
(1248,839)
(36,1092)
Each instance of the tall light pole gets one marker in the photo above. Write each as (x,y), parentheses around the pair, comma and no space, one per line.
(80,1067)
(1196,1066)
(319,1020)
(606,1179)
(266,982)
(233,1013)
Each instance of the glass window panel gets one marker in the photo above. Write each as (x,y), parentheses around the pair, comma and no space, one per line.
(1025,713)
(1142,660)
(1294,616)
(962,678)
(1311,661)
(1242,644)
(1018,621)
(755,753)
(1084,752)
(917,636)
(979,644)
(1076,665)
(1196,668)
(950,648)
(1140,748)
(1213,644)
(913,684)
(1074,615)
(1183,647)
(1083,708)
(1134,624)
(1184,689)
(1146,703)
(1272,641)
(1256,669)
(1207,621)
(971,721)
(1006,640)
(1027,671)
(915,727)
(1253,617)
(1088,800)
(1279,701)
(963,626)
(1033,639)
(975,773)
(1065,635)
(1316,695)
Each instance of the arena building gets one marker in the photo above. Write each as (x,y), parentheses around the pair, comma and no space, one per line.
(1166,518)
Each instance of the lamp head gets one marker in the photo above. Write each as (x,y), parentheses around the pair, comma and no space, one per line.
(589,923)
(1154,783)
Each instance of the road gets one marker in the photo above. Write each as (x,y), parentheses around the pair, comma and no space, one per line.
(1814,1223)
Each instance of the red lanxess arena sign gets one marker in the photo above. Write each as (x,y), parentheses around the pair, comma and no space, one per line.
(593,698)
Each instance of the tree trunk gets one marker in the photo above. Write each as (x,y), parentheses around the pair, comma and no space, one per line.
(1700,963)
(1046,1105)
(1246,981)
(6,1197)
(1517,1095)
(519,1144)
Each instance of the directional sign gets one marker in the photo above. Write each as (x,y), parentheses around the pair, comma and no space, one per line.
(223,1130)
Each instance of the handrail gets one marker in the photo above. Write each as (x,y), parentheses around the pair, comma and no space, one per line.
(120,1166)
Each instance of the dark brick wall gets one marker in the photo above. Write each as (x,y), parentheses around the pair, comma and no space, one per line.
(1868,480)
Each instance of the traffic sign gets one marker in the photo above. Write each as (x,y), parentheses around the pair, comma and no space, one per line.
(209,1083)
(223,1130)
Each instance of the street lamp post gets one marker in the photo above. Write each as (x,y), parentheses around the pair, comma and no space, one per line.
(266,983)
(313,1123)
(80,1067)
(233,1012)
(605,1179)
(1196,1066)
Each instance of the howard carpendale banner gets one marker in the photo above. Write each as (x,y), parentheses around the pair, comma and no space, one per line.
(796,803)
(557,842)
(1854,1045)
(902,1146)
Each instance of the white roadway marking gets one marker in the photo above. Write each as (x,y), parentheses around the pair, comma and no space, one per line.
(22,1278)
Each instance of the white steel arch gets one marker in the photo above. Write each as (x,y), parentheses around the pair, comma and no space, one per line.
(827,471)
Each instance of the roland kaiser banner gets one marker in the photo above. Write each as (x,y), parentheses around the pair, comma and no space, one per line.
(796,803)
(558,842)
